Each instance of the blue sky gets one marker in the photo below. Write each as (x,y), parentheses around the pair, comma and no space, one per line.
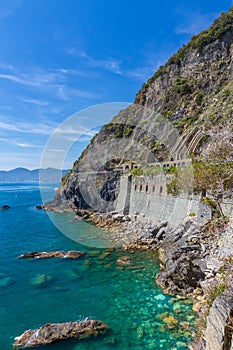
(58,57)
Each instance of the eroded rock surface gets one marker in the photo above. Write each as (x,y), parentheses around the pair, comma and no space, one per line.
(219,323)
(53,332)
(182,254)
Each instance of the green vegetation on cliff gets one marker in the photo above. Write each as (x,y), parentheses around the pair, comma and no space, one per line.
(220,26)
(193,91)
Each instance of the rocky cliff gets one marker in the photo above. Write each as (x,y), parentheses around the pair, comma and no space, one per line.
(219,323)
(169,120)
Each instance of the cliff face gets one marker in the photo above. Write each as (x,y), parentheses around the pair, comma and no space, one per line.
(219,323)
(188,81)
(169,120)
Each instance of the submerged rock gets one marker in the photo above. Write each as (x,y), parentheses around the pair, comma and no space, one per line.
(40,280)
(72,254)
(4,281)
(72,274)
(5,207)
(124,261)
(53,332)
(171,322)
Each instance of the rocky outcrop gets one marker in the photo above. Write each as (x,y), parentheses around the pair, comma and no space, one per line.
(72,254)
(220,323)
(53,332)
(87,187)
(182,86)
(181,253)
(192,90)
(226,241)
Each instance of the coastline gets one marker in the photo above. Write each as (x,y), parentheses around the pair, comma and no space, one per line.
(97,286)
(190,265)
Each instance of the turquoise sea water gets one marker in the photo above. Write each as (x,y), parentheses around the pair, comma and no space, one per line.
(34,292)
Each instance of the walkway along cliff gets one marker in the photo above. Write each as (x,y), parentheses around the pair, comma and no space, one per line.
(134,165)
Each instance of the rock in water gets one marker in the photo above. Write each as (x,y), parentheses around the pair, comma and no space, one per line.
(40,207)
(53,332)
(40,280)
(5,207)
(72,254)
(4,281)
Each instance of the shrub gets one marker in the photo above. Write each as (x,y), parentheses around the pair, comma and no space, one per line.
(136,172)
(220,26)
(215,292)
(227,93)
(173,187)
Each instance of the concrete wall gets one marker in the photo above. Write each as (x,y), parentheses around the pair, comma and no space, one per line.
(166,164)
(124,195)
(146,200)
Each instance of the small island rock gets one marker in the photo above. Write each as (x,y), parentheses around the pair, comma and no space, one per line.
(5,207)
(71,254)
(53,332)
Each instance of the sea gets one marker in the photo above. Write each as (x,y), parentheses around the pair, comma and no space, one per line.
(38,291)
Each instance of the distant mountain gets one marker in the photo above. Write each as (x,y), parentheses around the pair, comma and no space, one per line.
(49,175)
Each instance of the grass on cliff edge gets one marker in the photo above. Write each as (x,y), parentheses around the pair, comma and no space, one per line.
(220,26)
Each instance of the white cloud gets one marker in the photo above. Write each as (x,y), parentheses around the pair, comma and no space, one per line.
(194,22)
(34,128)
(61,93)
(35,101)
(19,143)
(34,77)
(65,93)
(114,65)
(18,79)
(75,130)
(54,82)
(110,64)
(59,150)
(142,73)
(85,138)
(74,72)
(6,66)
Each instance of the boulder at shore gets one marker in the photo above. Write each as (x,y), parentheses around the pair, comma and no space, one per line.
(71,254)
(40,207)
(53,332)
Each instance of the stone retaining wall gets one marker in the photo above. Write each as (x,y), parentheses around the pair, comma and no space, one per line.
(146,200)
